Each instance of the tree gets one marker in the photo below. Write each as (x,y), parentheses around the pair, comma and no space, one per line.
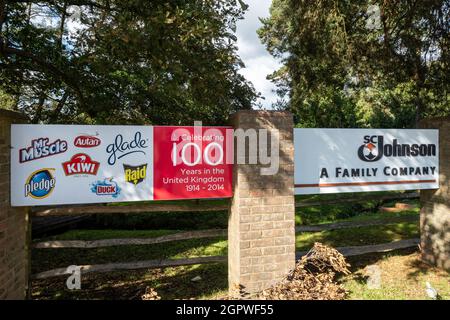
(361,63)
(119,61)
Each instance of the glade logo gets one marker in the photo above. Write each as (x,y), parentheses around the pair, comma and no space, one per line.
(107,187)
(87,141)
(41,148)
(121,148)
(374,149)
(135,174)
(40,184)
(80,163)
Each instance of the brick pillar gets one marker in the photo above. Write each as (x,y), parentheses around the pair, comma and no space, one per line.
(435,212)
(14,257)
(261,226)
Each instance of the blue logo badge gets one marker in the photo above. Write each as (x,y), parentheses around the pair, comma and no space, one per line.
(40,184)
(106,187)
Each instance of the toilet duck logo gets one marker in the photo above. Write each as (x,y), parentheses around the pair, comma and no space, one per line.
(40,184)
(106,187)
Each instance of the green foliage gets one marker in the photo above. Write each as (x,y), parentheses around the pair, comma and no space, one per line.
(123,61)
(6,101)
(360,63)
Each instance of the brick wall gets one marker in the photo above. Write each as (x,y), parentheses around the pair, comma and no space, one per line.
(261,229)
(14,259)
(435,213)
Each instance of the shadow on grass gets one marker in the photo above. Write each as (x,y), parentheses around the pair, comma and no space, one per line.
(170,283)
(46,259)
(359,236)
(422,268)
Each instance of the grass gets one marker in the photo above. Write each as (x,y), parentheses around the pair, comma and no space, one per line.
(404,281)
(87,235)
(45,259)
(170,283)
(219,219)
(403,277)
(359,236)
(161,220)
(349,212)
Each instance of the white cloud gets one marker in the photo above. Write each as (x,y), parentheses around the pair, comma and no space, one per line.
(259,63)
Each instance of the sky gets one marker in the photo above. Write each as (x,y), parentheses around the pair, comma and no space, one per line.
(259,63)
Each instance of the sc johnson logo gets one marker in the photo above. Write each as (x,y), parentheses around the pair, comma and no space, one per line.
(374,149)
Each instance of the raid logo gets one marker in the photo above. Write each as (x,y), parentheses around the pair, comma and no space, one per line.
(80,164)
(107,187)
(87,141)
(135,174)
(40,184)
(41,148)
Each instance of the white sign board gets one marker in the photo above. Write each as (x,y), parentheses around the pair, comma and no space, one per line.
(357,160)
(65,164)
(79,164)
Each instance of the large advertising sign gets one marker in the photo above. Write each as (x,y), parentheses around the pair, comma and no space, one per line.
(77,164)
(357,160)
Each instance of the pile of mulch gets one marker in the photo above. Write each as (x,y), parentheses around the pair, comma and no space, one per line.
(313,278)
(150,294)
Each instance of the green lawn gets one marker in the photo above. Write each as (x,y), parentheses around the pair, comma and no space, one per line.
(86,234)
(175,283)
(363,209)
(359,236)
(45,259)
(402,274)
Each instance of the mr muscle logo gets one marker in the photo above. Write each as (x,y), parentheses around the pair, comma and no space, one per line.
(374,148)
(80,164)
(135,174)
(41,148)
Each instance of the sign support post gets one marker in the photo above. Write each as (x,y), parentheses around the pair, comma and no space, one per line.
(14,223)
(261,224)
(435,212)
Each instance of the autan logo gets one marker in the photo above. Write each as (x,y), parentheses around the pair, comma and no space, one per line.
(135,174)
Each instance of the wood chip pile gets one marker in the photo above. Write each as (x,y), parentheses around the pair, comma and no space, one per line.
(313,278)
(150,294)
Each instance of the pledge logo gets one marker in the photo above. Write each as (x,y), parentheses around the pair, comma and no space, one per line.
(120,148)
(41,148)
(40,184)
